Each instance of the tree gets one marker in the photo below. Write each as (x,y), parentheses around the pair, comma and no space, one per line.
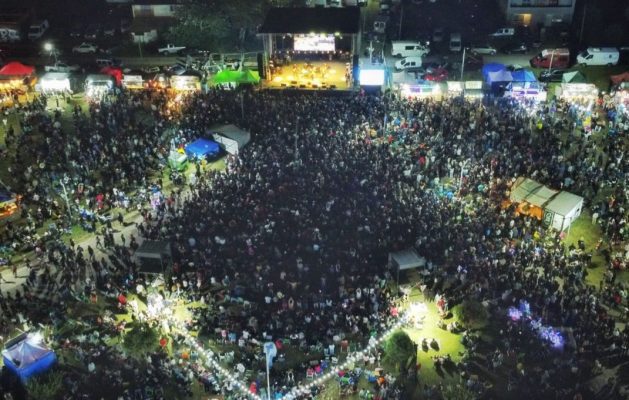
(215,25)
(140,340)
(399,350)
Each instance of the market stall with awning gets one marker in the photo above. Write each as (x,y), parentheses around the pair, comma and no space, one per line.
(235,77)
(15,68)
(54,82)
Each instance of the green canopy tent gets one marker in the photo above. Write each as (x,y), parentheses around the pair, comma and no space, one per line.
(573,77)
(238,77)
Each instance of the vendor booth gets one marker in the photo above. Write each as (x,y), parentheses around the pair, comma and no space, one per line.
(55,82)
(231,138)
(185,82)
(202,149)
(177,160)
(153,256)
(562,210)
(421,90)
(229,78)
(526,90)
(404,260)
(557,208)
(573,91)
(132,82)
(531,196)
(455,88)
(573,77)
(98,85)
(473,89)
(27,355)
(8,202)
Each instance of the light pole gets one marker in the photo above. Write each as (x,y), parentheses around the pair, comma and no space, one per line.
(50,48)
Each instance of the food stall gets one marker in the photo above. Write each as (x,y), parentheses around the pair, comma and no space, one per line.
(422,89)
(455,88)
(54,82)
(98,85)
(473,89)
(185,82)
(132,82)
(573,91)
(526,90)
(16,80)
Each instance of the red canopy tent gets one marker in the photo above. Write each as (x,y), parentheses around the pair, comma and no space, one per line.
(116,73)
(15,68)
(620,78)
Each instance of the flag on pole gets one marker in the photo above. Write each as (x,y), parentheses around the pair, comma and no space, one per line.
(271,351)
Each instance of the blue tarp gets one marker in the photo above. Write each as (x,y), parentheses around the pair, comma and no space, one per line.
(202,148)
(492,67)
(523,75)
(28,357)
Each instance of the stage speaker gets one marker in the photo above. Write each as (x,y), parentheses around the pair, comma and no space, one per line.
(261,69)
(355,67)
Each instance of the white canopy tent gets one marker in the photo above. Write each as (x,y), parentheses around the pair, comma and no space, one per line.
(231,137)
(562,210)
(405,259)
(52,82)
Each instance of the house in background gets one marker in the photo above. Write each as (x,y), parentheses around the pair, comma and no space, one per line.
(150,17)
(538,13)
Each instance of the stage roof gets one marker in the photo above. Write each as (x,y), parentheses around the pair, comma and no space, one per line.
(312,20)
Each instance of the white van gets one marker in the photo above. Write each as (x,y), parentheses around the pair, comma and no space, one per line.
(409,64)
(401,48)
(599,56)
(503,32)
(455,42)
(37,29)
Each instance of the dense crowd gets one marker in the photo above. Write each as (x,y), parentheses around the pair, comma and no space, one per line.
(290,242)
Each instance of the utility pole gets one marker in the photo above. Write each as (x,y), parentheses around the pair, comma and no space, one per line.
(399,33)
(463,64)
(585,7)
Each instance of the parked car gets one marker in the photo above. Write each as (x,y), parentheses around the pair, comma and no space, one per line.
(554,75)
(170,49)
(61,67)
(409,64)
(503,32)
(437,35)
(110,30)
(92,32)
(176,69)
(77,31)
(517,47)
(85,48)
(438,74)
(125,25)
(483,49)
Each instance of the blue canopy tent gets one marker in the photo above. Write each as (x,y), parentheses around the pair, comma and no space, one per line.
(498,80)
(523,75)
(26,355)
(492,67)
(202,148)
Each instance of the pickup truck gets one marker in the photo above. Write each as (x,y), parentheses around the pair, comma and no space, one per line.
(170,49)
(61,67)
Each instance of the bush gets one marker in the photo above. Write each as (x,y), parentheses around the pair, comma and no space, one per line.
(471,312)
(140,340)
(45,387)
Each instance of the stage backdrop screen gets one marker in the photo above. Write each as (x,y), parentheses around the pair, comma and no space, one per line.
(313,43)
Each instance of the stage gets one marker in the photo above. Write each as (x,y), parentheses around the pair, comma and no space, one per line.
(313,75)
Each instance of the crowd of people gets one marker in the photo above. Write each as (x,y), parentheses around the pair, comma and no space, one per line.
(290,242)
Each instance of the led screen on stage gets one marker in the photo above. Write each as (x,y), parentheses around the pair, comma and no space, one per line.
(371,77)
(313,43)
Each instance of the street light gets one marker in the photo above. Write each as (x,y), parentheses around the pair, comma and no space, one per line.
(50,48)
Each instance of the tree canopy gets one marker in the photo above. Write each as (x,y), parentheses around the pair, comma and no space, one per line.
(216,25)
(399,349)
